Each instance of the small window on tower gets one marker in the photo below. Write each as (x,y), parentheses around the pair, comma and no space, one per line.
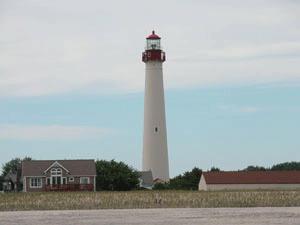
(155,129)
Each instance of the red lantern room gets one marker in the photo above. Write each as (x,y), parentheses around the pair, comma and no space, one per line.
(153,49)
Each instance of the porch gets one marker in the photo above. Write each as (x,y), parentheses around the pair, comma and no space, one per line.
(69,187)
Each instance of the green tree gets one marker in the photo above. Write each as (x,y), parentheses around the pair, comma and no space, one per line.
(1,183)
(177,183)
(214,169)
(287,166)
(188,181)
(115,176)
(160,186)
(256,168)
(12,165)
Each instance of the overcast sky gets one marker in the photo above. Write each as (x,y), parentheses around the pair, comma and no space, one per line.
(72,80)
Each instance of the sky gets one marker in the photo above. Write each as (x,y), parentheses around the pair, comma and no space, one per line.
(72,80)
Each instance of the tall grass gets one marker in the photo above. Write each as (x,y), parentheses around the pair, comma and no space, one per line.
(147,199)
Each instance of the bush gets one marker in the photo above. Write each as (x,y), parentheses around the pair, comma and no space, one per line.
(160,186)
(115,176)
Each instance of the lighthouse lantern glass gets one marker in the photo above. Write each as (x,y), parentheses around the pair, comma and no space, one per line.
(153,44)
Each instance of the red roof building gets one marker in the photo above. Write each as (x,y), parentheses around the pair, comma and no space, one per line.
(250,180)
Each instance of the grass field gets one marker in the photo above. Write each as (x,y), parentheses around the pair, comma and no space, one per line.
(147,199)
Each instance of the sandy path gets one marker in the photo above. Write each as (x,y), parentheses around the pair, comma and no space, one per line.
(213,216)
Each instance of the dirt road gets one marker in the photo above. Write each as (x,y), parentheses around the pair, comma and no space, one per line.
(211,216)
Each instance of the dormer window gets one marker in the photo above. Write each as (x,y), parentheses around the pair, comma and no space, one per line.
(57,171)
(53,171)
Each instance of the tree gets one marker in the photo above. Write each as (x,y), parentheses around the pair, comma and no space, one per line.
(287,166)
(214,169)
(187,181)
(12,165)
(1,183)
(177,183)
(160,186)
(115,176)
(256,168)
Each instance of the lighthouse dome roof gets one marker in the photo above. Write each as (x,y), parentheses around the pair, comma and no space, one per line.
(153,36)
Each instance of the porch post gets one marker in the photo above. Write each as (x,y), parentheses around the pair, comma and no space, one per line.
(24,184)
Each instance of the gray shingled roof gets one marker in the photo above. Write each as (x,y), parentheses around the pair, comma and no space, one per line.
(75,167)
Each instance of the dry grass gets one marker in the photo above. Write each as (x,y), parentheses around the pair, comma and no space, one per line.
(147,199)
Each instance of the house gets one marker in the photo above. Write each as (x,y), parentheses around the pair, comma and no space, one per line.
(58,175)
(146,179)
(10,181)
(249,180)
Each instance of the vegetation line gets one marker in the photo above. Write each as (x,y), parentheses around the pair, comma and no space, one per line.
(147,199)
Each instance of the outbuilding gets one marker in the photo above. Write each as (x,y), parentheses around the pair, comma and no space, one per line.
(146,180)
(249,180)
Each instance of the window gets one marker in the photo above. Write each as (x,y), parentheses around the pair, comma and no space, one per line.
(48,180)
(58,171)
(71,179)
(53,171)
(64,180)
(155,129)
(54,180)
(58,180)
(162,55)
(84,180)
(153,44)
(56,174)
(36,182)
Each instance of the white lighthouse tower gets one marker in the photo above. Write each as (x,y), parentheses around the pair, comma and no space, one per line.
(155,149)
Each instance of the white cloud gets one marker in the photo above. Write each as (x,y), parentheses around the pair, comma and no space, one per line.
(53,132)
(243,52)
(60,46)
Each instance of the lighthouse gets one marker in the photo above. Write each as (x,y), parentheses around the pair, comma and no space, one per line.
(155,149)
